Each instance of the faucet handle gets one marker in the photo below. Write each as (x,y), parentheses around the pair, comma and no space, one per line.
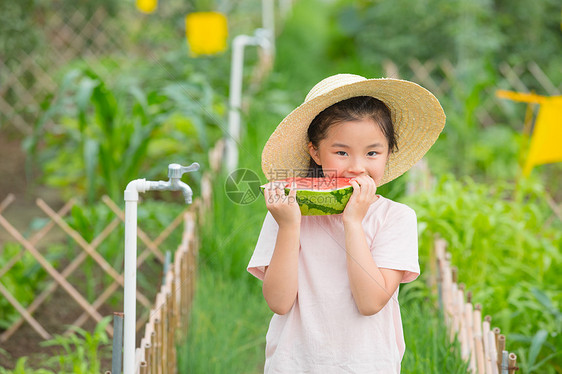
(176,170)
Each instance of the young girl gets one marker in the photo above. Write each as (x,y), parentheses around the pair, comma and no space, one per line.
(332,281)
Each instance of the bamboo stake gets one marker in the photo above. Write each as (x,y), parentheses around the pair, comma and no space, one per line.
(153,352)
(493,352)
(469,333)
(143,367)
(454,313)
(486,341)
(158,356)
(137,360)
(465,349)
(500,350)
(454,273)
(478,343)
(512,361)
(437,263)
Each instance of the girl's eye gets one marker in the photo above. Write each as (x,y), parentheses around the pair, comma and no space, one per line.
(372,153)
(341,153)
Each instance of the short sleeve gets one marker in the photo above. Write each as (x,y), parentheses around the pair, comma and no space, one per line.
(264,247)
(395,246)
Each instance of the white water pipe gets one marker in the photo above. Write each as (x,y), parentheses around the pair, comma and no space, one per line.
(235,93)
(175,171)
(268,24)
(264,38)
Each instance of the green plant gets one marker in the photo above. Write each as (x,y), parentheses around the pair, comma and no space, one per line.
(22,368)
(106,136)
(81,350)
(227,328)
(23,280)
(507,254)
(428,347)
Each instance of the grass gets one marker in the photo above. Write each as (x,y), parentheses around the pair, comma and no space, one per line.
(228,326)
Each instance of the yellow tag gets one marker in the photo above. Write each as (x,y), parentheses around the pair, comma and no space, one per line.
(546,141)
(206,32)
(147,6)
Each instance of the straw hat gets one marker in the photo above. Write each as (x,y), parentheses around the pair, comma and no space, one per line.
(416,114)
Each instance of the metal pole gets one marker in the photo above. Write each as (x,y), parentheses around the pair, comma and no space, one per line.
(117,343)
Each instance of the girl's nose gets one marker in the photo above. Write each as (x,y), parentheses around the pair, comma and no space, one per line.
(356,168)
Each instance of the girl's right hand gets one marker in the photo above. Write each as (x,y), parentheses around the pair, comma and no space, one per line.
(284,208)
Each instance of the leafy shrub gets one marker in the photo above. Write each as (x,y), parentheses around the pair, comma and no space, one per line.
(105,137)
(24,279)
(507,249)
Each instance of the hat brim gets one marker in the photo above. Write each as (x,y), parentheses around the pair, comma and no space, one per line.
(417,116)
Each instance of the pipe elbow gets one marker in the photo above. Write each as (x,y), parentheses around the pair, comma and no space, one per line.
(133,188)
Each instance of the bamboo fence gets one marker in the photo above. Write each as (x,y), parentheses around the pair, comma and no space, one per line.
(482,346)
(62,277)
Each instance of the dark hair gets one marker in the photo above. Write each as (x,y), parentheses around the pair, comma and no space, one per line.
(354,109)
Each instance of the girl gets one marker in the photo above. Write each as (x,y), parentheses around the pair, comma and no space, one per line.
(332,281)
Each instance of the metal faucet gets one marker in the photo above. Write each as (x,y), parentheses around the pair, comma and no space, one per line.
(175,172)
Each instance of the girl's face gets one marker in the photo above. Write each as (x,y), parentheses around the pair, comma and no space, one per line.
(351,149)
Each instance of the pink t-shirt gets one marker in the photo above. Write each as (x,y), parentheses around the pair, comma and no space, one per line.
(324,332)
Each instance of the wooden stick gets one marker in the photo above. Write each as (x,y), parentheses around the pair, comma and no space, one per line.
(469,334)
(512,361)
(153,352)
(479,353)
(53,285)
(7,201)
(496,331)
(171,227)
(455,324)
(454,273)
(143,367)
(81,241)
(478,342)
(52,272)
(141,234)
(86,246)
(28,317)
(500,350)
(465,349)
(486,346)
(493,352)
(36,237)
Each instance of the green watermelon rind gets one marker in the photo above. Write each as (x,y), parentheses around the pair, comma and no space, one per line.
(321,203)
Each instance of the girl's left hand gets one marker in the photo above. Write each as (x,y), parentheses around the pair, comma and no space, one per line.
(364,194)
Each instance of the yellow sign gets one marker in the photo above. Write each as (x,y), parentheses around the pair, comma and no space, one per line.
(206,32)
(147,6)
(546,141)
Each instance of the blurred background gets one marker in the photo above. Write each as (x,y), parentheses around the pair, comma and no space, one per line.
(94,94)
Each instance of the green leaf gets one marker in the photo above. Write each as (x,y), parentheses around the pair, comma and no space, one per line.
(536,345)
(91,152)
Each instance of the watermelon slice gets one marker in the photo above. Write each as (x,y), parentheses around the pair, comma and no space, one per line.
(320,196)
